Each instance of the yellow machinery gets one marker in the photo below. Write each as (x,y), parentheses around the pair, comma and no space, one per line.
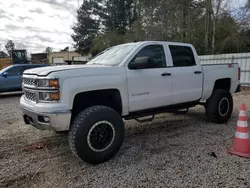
(4,62)
(17,57)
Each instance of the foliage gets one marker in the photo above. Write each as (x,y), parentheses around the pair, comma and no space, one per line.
(209,25)
(86,28)
(48,50)
(66,49)
(10,46)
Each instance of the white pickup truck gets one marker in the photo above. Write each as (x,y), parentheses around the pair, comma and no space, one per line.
(127,81)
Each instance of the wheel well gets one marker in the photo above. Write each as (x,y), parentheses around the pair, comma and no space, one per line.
(224,83)
(108,97)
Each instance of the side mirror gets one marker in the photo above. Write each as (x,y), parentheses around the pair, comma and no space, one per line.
(5,74)
(139,63)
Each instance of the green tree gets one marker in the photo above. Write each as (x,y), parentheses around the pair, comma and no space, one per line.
(209,25)
(119,15)
(48,49)
(104,41)
(10,46)
(86,28)
(116,18)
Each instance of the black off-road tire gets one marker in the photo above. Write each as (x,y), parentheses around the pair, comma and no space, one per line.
(82,129)
(214,111)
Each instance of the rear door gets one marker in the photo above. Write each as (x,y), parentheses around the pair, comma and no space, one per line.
(150,87)
(187,75)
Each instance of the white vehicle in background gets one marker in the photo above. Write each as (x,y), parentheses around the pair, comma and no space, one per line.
(127,81)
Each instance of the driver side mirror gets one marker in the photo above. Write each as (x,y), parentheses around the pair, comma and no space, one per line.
(5,74)
(139,63)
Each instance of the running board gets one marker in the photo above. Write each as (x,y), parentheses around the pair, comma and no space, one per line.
(164,109)
(145,120)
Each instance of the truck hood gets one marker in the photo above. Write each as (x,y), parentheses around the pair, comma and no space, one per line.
(44,71)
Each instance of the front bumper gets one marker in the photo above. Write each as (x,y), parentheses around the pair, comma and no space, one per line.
(58,121)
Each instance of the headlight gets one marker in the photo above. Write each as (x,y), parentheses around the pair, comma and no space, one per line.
(49,96)
(48,83)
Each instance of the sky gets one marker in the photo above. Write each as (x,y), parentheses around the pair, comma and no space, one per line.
(37,24)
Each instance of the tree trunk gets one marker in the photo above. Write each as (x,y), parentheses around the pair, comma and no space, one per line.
(208,27)
(184,21)
(215,19)
(189,22)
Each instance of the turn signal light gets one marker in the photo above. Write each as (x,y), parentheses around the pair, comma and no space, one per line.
(54,83)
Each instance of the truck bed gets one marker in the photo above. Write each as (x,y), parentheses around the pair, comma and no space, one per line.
(213,72)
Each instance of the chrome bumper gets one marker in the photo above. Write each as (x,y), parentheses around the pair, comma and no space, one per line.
(58,121)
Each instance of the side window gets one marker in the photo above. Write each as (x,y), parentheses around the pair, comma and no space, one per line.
(22,69)
(182,56)
(155,55)
(13,71)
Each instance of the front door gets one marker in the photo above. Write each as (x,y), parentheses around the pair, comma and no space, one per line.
(150,86)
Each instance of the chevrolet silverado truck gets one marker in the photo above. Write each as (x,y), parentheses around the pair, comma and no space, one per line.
(128,81)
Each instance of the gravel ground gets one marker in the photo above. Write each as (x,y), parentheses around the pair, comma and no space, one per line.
(171,151)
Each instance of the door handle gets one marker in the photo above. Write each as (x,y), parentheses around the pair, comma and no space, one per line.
(197,72)
(166,74)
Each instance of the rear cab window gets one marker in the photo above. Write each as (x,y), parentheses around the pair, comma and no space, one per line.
(182,56)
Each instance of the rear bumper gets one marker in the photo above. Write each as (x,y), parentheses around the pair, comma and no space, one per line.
(238,89)
(56,121)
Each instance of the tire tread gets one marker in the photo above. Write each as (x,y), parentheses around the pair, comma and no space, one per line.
(79,121)
(212,105)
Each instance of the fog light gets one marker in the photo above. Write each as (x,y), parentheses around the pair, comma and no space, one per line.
(46,119)
(43,119)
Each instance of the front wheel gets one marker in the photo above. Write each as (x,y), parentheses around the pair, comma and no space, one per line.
(96,134)
(219,107)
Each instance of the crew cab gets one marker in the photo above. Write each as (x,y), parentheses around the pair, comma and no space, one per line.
(127,81)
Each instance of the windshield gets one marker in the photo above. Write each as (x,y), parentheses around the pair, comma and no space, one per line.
(113,56)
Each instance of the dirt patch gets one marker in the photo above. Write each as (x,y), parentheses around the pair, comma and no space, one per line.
(172,151)
(245,88)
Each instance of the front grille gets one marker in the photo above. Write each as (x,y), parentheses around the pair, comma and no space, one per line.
(30,96)
(29,81)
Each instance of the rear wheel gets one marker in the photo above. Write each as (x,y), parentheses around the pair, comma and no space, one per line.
(97,134)
(219,107)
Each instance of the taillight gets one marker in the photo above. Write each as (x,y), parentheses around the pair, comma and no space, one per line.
(239,73)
